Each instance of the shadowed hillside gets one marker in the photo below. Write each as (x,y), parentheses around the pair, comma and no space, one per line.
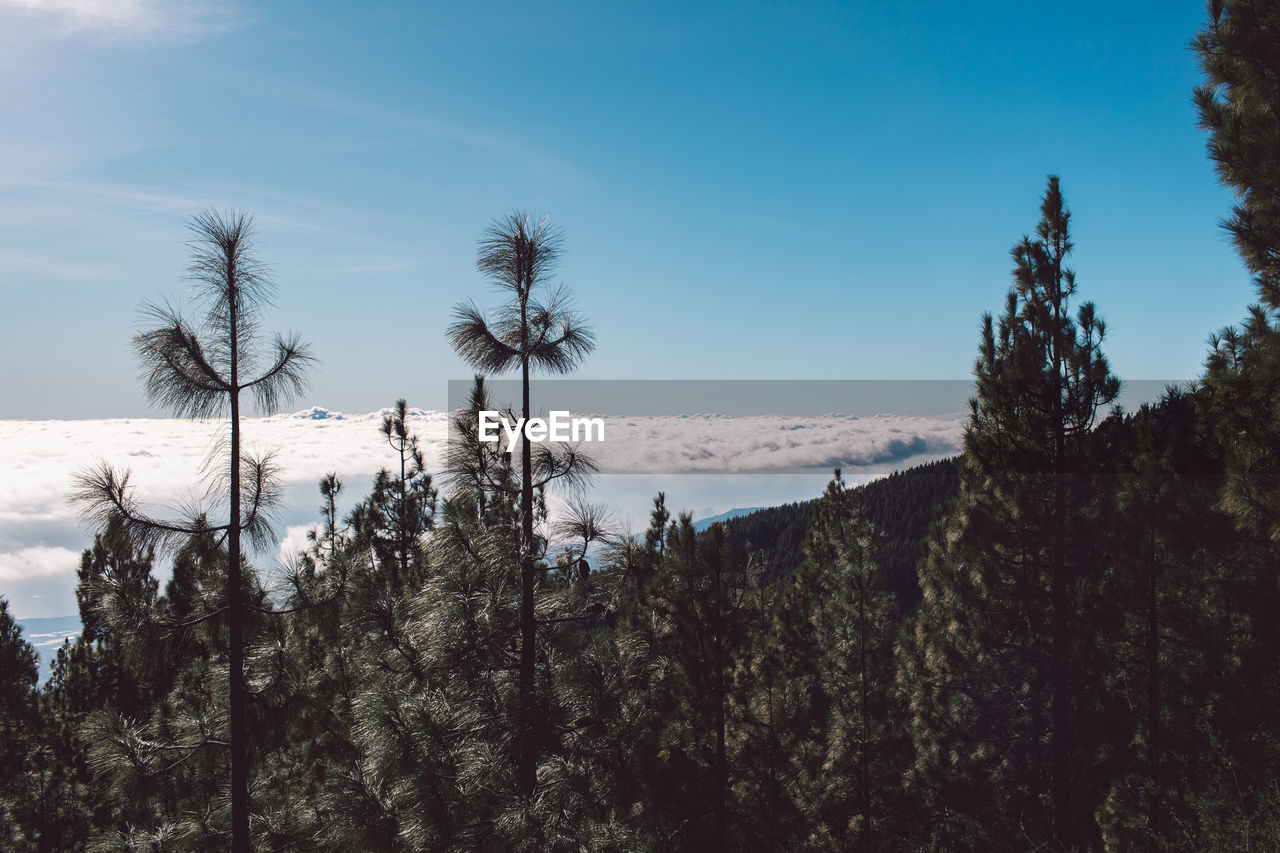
(901,508)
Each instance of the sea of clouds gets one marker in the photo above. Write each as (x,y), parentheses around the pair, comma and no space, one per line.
(706,464)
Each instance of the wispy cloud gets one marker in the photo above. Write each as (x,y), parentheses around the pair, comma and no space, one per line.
(383,265)
(131,197)
(100,224)
(420,124)
(162,20)
(16,263)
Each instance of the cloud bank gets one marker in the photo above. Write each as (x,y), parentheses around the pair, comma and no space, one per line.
(41,536)
(721,444)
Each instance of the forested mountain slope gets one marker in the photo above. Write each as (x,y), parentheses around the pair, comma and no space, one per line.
(900,507)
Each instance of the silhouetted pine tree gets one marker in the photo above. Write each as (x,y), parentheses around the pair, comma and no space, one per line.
(855,626)
(701,602)
(204,370)
(1239,104)
(385,556)
(479,473)
(20,824)
(1162,639)
(536,330)
(994,664)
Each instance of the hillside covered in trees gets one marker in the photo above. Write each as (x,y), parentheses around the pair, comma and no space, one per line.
(901,507)
(1064,639)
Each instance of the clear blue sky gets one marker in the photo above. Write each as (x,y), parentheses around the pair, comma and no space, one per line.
(748,190)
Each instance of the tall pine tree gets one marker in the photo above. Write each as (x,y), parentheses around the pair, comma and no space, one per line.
(994,668)
(214,367)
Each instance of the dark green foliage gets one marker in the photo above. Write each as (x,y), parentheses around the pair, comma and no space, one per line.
(19,763)
(777,533)
(824,720)
(1239,105)
(998,667)
(1163,621)
(686,703)
(403,507)
(1238,49)
(700,600)
(901,508)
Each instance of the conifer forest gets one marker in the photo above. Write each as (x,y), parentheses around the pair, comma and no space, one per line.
(1066,638)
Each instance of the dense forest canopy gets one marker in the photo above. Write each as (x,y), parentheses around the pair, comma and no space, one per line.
(1064,639)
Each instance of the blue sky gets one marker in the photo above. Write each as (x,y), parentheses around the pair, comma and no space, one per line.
(748,190)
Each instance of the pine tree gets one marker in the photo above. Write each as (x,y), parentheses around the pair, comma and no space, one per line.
(826,693)
(1238,49)
(855,629)
(1005,590)
(536,330)
(99,672)
(1161,640)
(19,723)
(702,601)
(435,722)
(208,369)
(413,495)
(1239,105)
(478,471)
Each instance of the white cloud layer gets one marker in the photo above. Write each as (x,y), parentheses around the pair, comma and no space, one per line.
(716,443)
(40,532)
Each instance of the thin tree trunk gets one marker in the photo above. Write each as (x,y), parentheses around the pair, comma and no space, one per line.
(239,755)
(404,526)
(722,766)
(528,763)
(865,840)
(1060,749)
(722,762)
(1153,699)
